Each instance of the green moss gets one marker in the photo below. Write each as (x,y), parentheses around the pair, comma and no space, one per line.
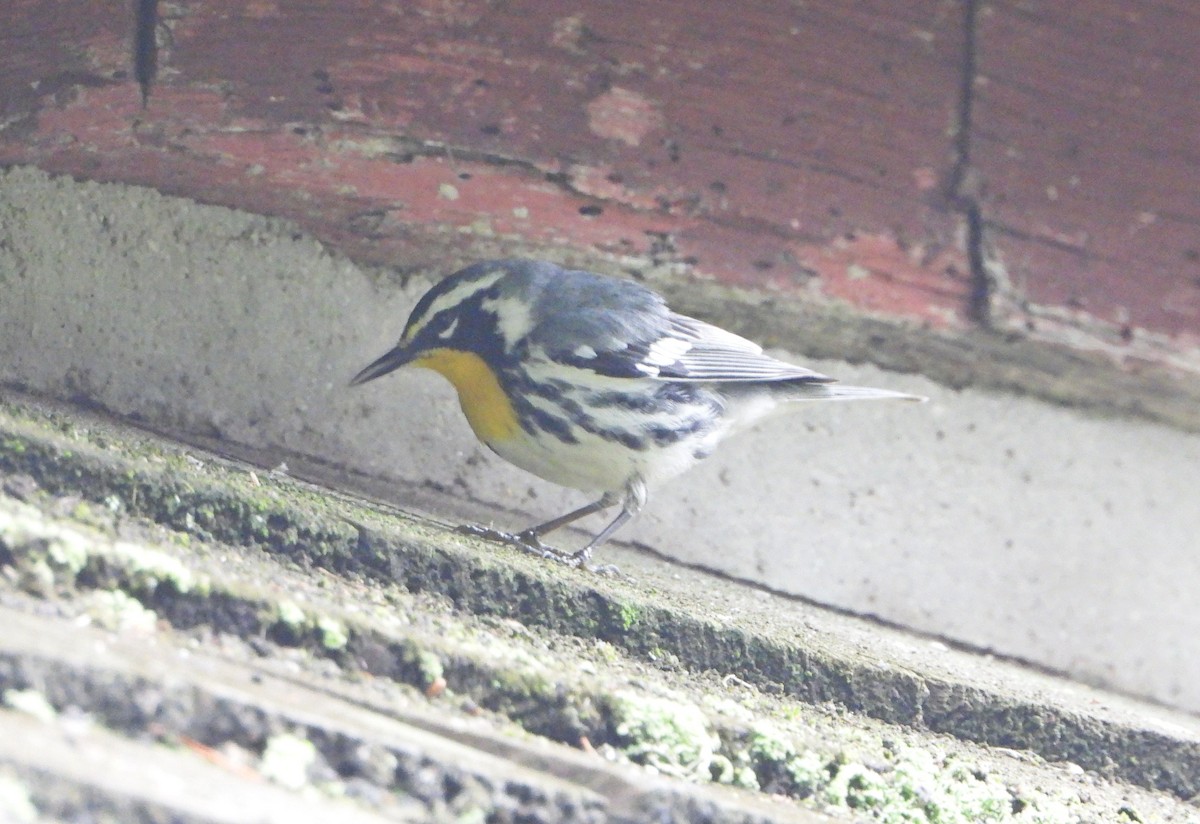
(857,787)
(606,652)
(808,771)
(519,686)
(781,766)
(116,611)
(290,615)
(915,786)
(31,703)
(147,569)
(670,735)
(82,511)
(736,770)
(768,746)
(46,554)
(334,635)
(287,759)
(629,615)
(67,550)
(912,785)
(430,666)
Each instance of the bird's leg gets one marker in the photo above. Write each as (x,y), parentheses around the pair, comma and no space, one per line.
(536,532)
(632,501)
(632,498)
(531,539)
(582,557)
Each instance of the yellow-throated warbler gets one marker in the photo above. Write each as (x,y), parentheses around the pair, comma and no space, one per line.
(591,382)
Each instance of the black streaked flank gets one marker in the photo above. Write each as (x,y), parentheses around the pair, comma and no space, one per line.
(680,430)
(683,394)
(535,420)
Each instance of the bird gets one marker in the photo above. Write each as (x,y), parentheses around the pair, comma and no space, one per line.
(592,382)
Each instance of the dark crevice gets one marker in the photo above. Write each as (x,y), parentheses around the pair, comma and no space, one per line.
(145,45)
(961,187)
(979,299)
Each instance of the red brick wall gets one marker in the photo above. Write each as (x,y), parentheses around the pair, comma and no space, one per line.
(816,150)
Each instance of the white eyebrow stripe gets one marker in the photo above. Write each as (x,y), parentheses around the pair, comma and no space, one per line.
(454,297)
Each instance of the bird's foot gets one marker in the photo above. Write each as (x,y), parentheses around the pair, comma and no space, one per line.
(575,560)
(527,540)
(531,542)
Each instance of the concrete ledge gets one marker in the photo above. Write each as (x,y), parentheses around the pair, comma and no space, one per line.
(379,611)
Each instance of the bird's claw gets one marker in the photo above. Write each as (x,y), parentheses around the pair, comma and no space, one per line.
(487,533)
(527,540)
(531,542)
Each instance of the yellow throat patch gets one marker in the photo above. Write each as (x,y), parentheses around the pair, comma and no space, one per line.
(483,401)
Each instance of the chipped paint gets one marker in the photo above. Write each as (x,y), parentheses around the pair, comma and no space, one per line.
(625,115)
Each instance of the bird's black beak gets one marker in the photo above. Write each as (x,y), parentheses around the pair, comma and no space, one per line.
(390,362)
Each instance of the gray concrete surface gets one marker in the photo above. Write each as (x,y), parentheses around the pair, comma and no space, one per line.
(156,594)
(997,521)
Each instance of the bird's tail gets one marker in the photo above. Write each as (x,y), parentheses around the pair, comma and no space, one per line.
(838,392)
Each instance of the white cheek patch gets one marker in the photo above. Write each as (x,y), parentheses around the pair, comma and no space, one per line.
(665,351)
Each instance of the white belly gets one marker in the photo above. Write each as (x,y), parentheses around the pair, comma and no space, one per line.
(594,464)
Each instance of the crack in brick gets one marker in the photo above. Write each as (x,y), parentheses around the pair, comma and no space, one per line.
(961,186)
(145,45)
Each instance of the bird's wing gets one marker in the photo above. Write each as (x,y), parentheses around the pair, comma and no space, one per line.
(697,351)
(650,341)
